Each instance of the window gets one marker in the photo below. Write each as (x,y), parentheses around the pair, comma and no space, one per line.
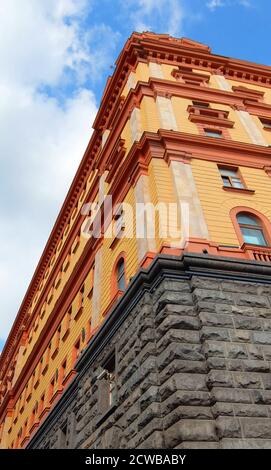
(82,295)
(251,229)
(201,104)
(42,401)
(56,341)
(51,389)
(47,359)
(231,177)
(63,371)
(39,369)
(212,133)
(34,415)
(67,322)
(119,224)
(120,273)
(107,385)
(266,123)
(25,428)
(76,351)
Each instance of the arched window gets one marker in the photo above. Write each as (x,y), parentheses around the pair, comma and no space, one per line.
(252,229)
(120,274)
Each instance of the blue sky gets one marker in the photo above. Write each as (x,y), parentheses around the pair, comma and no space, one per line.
(55,56)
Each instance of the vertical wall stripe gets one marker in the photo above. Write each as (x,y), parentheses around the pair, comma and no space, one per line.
(136,124)
(131,82)
(251,128)
(222,82)
(105,136)
(142,195)
(166,113)
(248,123)
(156,70)
(102,187)
(186,192)
(97,281)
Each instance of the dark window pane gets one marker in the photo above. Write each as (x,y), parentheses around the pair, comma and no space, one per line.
(121,275)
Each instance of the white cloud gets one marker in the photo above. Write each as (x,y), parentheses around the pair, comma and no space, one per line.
(42,147)
(164,16)
(214,4)
(42,138)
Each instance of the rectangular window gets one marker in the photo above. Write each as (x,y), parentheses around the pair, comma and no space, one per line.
(212,133)
(119,223)
(42,401)
(253,236)
(51,389)
(56,342)
(67,322)
(88,330)
(25,428)
(201,104)
(82,296)
(47,359)
(63,371)
(76,351)
(39,368)
(231,177)
(107,385)
(266,123)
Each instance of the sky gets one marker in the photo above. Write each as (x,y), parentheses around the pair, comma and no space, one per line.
(55,57)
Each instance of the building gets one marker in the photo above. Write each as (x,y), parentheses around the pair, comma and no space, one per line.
(163,339)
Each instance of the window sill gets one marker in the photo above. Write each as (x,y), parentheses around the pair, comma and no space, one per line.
(211,121)
(55,395)
(44,412)
(68,377)
(33,427)
(238,190)
(25,440)
(250,246)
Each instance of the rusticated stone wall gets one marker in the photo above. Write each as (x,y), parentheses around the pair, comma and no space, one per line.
(192,341)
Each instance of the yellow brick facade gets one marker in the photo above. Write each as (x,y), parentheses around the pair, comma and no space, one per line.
(215,203)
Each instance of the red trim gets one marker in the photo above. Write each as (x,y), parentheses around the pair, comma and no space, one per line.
(238,190)
(25,441)
(114,285)
(147,260)
(69,377)
(44,412)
